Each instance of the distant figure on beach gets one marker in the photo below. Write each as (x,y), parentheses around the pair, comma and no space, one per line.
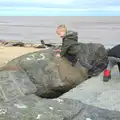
(114,59)
(87,54)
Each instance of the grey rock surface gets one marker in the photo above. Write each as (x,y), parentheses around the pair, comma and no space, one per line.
(95,113)
(98,93)
(14,84)
(39,73)
(52,77)
(32,107)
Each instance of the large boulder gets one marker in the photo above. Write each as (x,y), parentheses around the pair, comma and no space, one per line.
(42,74)
(97,56)
(52,77)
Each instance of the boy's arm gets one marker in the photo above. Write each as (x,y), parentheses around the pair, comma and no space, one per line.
(67,44)
(64,50)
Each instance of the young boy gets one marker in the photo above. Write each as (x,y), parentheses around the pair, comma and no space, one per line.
(114,59)
(69,39)
(89,55)
(71,49)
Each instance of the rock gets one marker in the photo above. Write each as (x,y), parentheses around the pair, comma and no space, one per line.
(94,113)
(42,45)
(38,46)
(46,45)
(15,43)
(101,100)
(96,55)
(52,77)
(98,93)
(15,84)
(20,44)
(40,73)
(28,45)
(32,107)
(3,42)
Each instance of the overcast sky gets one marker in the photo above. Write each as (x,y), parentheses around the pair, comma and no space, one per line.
(78,6)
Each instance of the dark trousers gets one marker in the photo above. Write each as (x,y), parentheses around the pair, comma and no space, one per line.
(112,62)
(71,58)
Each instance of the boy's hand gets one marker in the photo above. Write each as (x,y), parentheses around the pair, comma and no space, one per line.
(58,55)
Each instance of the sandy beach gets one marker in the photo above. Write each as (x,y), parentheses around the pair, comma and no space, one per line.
(9,53)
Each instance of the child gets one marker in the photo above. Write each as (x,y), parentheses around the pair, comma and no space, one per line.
(89,55)
(69,38)
(114,59)
(71,49)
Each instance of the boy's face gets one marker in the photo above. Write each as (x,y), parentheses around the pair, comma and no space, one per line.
(60,32)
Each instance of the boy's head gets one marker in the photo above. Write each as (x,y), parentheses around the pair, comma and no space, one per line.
(61,30)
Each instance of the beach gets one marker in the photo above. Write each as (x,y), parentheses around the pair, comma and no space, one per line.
(104,30)
(9,53)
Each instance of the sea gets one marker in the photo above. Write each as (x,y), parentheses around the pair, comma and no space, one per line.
(32,29)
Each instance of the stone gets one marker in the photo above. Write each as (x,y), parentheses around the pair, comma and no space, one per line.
(14,84)
(36,74)
(52,77)
(32,107)
(15,43)
(98,93)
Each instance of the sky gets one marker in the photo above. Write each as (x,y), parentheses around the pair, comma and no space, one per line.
(60,7)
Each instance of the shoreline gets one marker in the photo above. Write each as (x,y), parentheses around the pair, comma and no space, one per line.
(13,49)
(26,44)
(15,43)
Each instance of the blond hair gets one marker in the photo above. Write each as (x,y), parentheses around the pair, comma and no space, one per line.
(61,28)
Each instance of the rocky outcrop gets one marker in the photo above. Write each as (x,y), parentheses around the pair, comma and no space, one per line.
(49,75)
(23,79)
(98,93)
(52,77)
